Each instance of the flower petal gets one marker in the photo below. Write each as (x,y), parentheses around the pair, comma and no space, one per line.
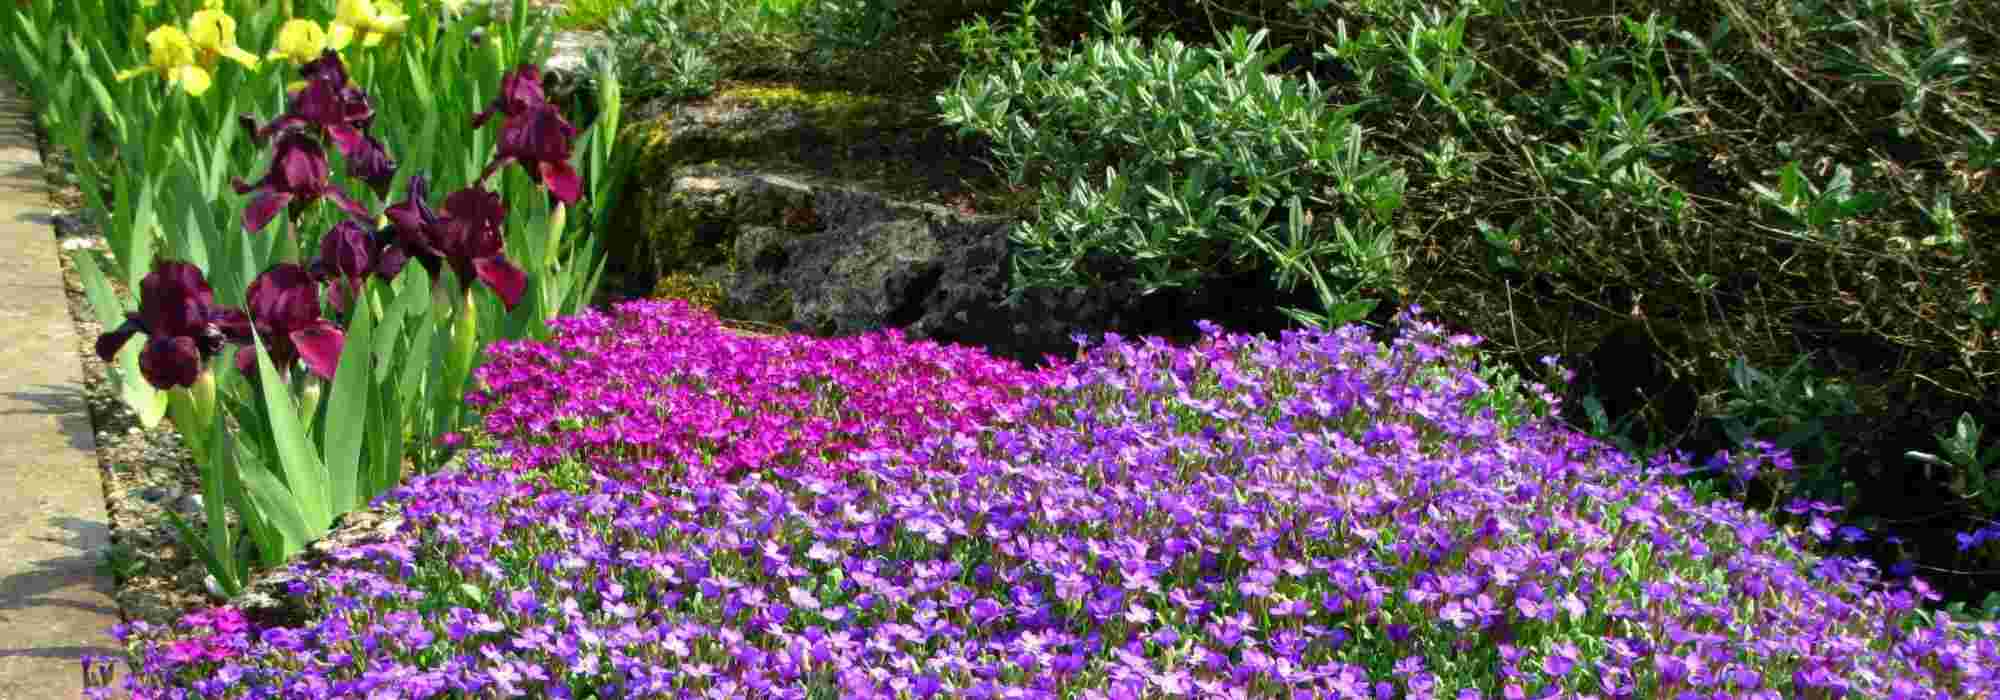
(346,139)
(347,204)
(389,263)
(283,299)
(231,325)
(338,36)
(319,346)
(110,343)
(412,217)
(371,163)
(562,181)
(170,361)
(174,300)
(263,209)
(502,277)
(346,250)
(300,164)
(190,78)
(246,360)
(237,54)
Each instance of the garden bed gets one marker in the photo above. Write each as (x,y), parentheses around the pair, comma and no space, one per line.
(145,471)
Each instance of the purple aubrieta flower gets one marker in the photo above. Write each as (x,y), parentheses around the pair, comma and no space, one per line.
(467,236)
(298,177)
(284,309)
(183,326)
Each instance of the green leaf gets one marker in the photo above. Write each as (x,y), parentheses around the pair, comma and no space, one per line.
(210,558)
(347,412)
(148,403)
(278,506)
(222,490)
(109,307)
(303,472)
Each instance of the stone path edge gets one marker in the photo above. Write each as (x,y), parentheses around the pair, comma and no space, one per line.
(55,605)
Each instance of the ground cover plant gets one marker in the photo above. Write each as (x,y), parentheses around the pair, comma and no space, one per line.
(1319,515)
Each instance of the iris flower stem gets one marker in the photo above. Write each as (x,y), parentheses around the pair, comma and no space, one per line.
(193,412)
(458,362)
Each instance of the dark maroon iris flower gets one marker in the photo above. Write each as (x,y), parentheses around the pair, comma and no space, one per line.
(284,309)
(539,139)
(328,102)
(467,236)
(349,254)
(533,133)
(520,92)
(370,163)
(334,107)
(183,326)
(298,177)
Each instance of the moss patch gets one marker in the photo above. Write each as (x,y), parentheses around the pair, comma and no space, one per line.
(688,288)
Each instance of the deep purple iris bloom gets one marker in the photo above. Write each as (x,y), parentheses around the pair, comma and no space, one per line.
(539,139)
(298,177)
(533,133)
(520,92)
(183,326)
(331,105)
(284,309)
(348,254)
(466,236)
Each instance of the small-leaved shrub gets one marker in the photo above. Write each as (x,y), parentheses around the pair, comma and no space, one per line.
(1167,164)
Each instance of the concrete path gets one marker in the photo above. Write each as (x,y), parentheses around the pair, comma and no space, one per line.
(54,605)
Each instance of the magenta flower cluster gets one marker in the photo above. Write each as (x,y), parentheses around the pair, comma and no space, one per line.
(659,394)
(1319,516)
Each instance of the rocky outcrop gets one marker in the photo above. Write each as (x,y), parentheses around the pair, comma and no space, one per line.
(837,215)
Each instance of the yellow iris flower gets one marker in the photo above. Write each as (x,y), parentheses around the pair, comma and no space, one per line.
(188,58)
(172,56)
(214,37)
(299,41)
(365,20)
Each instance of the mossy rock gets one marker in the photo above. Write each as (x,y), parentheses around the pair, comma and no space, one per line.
(679,214)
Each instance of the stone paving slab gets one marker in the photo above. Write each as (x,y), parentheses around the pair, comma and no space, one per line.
(55,607)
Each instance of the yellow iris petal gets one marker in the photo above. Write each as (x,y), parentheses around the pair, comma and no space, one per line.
(215,34)
(390,19)
(190,78)
(169,48)
(365,19)
(300,40)
(354,13)
(339,36)
(210,29)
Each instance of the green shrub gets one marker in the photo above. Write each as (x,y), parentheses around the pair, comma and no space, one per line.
(1196,148)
